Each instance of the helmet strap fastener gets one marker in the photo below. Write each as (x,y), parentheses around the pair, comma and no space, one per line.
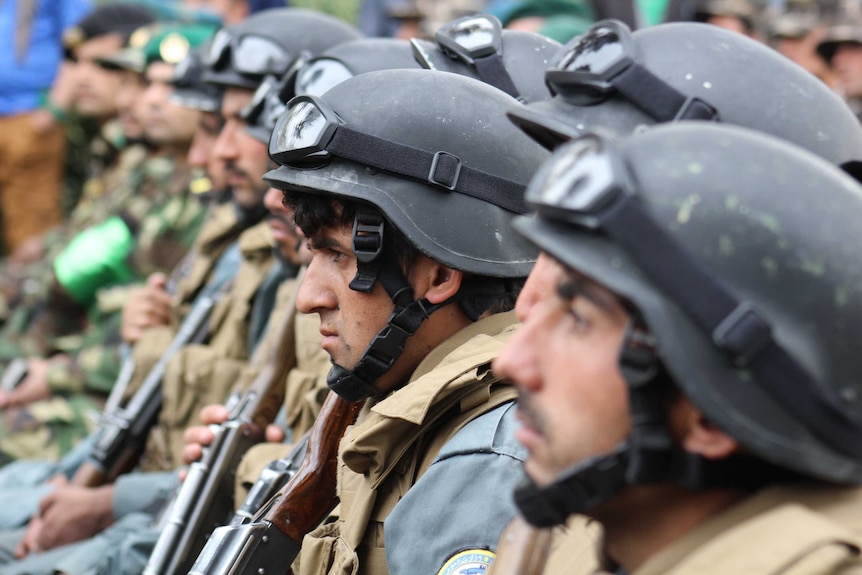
(368,228)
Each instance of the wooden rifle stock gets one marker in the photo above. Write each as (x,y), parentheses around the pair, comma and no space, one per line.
(309,497)
(523,549)
(271,541)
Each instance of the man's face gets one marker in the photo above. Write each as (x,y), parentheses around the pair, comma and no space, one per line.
(245,158)
(288,238)
(201,151)
(94,88)
(348,319)
(847,63)
(131,107)
(573,401)
(166,124)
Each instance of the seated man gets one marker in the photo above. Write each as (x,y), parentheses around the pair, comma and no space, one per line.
(410,276)
(688,362)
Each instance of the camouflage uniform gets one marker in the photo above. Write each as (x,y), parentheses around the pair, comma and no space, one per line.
(199,375)
(168,218)
(112,168)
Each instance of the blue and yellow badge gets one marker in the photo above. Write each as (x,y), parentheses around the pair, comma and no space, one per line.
(469,562)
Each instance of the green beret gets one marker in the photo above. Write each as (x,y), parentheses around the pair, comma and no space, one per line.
(168,43)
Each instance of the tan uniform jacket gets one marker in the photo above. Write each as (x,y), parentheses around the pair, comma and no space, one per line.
(203,374)
(393,445)
(804,530)
(219,231)
(305,383)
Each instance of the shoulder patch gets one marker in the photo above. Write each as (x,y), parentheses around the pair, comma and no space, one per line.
(469,562)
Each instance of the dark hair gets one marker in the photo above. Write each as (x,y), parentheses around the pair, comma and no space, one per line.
(480,295)
(313,213)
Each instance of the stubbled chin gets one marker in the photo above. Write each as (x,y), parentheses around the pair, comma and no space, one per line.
(540,475)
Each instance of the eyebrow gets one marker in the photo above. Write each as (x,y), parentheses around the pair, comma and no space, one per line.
(572,285)
(324,242)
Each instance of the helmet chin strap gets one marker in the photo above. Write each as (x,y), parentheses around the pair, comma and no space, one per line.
(389,343)
(648,456)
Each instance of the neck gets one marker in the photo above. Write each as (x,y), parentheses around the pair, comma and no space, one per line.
(440,326)
(643,520)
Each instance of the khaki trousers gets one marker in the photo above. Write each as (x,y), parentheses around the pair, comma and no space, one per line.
(31,177)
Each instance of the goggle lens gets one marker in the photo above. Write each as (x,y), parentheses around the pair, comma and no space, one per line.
(219,45)
(474,35)
(256,55)
(319,76)
(299,130)
(596,53)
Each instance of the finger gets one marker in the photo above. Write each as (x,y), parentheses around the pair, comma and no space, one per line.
(274,434)
(191,453)
(28,543)
(198,435)
(214,413)
(157,280)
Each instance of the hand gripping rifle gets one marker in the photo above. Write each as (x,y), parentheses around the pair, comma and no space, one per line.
(123,431)
(205,500)
(271,540)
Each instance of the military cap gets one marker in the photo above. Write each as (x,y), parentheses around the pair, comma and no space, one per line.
(742,9)
(120,19)
(847,33)
(791,25)
(159,43)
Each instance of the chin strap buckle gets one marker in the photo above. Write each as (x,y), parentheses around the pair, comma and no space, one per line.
(368,226)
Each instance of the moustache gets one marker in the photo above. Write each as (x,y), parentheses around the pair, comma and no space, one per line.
(530,414)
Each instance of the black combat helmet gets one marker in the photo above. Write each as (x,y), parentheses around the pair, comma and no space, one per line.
(190,91)
(736,250)
(429,153)
(271,42)
(321,73)
(614,79)
(476,46)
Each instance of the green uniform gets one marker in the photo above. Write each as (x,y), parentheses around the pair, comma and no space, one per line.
(166,218)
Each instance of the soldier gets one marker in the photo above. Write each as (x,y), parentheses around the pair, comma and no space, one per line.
(150,231)
(200,373)
(738,16)
(841,47)
(686,366)
(411,310)
(28,270)
(795,35)
(694,73)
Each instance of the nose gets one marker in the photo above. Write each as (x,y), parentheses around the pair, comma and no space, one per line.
(273,201)
(314,295)
(535,286)
(516,362)
(225,147)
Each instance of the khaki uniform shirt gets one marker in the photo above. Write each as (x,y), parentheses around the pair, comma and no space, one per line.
(203,374)
(800,530)
(429,468)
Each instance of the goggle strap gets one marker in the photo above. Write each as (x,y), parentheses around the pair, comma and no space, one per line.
(441,169)
(735,327)
(656,97)
(492,71)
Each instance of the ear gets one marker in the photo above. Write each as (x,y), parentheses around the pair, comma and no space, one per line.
(699,435)
(434,281)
